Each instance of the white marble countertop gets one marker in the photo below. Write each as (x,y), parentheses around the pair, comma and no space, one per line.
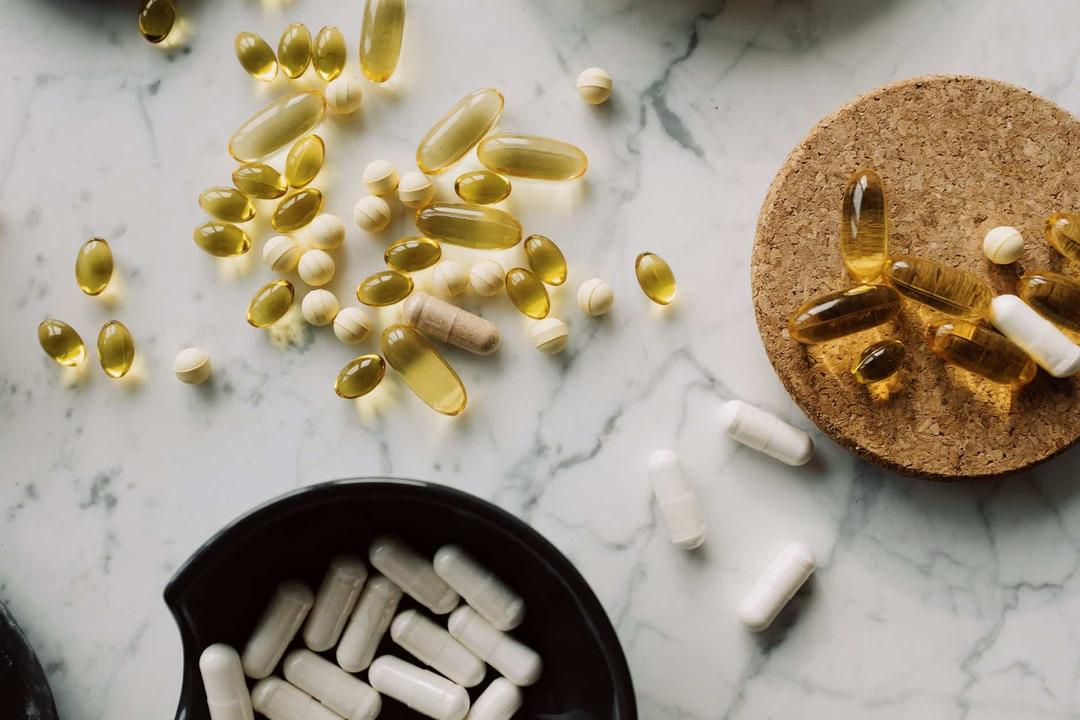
(930,601)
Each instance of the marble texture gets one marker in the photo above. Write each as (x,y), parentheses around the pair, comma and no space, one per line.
(931,601)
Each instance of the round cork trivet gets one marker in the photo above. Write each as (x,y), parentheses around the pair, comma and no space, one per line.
(958,156)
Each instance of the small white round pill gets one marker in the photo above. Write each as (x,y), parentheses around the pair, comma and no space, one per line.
(380,178)
(487,277)
(371,213)
(276,628)
(280,253)
(325,232)
(550,335)
(351,325)
(415,189)
(1003,245)
(595,297)
(316,267)
(192,366)
(594,85)
(450,278)
(319,307)
(344,94)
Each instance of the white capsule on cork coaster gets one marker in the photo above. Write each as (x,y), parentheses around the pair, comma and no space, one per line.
(349,697)
(425,692)
(433,646)
(777,585)
(334,602)
(1003,245)
(479,587)
(276,628)
(223,678)
(765,433)
(412,573)
(1038,337)
(676,499)
(278,700)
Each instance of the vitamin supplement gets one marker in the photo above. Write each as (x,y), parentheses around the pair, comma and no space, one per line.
(878,362)
(297,210)
(156,19)
(415,190)
(385,287)
(528,293)
(655,278)
(450,278)
(281,254)
(458,131)
(325,232)
(116,349)
(277,125)
(550,335)
(319,307)
(380,178)
(60,342)
(359,377)
(276,628)
(842,313)
(1063,234)
(448,323)
(221,239)
(371,213)
(344,95)
(479,587)
(594,85)
(1003,245)
(499,701)
(223,678)
(192,366)
(1050,348)
(482,187)
(532,156)
(782,578)
(380,38)
(765,433)
(516,662)
(270,303)
(305,160)
(471,226)
(487,278)
(545,259)
(294,50)
(676,499)
(369,622)
(408,570)
(316,267)
(410,254)
(595,297)
(259,180)
(864,229)
(434,647)
(425,372)
(94,266)
(425,692)
(256,56)
(278,700)
(352,325)
(346,695)
(227,204)
(330,53)
(1054,296)
(939,286)
(980,351)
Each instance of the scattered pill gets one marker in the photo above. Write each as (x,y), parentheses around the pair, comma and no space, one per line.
(276,628)
(304,161)
(1038,337)
(359,376)
(325,232)
(595,297)
(371,213)
(281,254)
(594,85)
(518,663)
(279,700)
(459,130)
(156,19)
(316,267)
(259,180)
(676,499)
(294,50)
(532,156)
(226,203)
(223,678)
(116,349)
(846,312)
(94,266)
(433,646)
(450,278)
(765,433)
(479,587)
(422,690)
(385,287)
(192,366)
(380,38)
(334,602)
(270,303)
(369,622)
(777,585)
(277,125)
(499,701)
(330,53)
(222,239)
(424,370)
(1003,245)
(60,342)
(344,95)
(545,259)
(527,293)
(450,324)
(482,187)
(1054,296)
(981,351)
(411,254)
(380,178)
(878,362)
(549,335)
(415,190)
(352,326)
(939,286)
(349,697)
(864,227)
(319,307)
(487,278)
(256,56)
(471,226)
(297,210)
(655,278)
(412,573)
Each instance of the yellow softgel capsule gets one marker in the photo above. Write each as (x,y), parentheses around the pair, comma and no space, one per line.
(385,287)
(528,293)
(116,349)
(294,50)
(380,38)
(1054,296)
(222,239)
(482,187)
(227,204)
(256,56)
(939,286)
(60,342)
(879,361)
(330,53)
(532,156)
(864,230)
(843,313)
(655,278)
(305,160)
(156,19)
(1063,233)
(270,303)
(259,180)
(546,259)
(297,210)
(458,131)
(277,125)
(410,254)
(360,376)
(982,352)
(94,266)
(471,226)
(423,369)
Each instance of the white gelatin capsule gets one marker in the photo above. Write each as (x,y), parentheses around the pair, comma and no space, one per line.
(278,700)
(422,690)
(226,690)
(499,701)
(276,629)
(487,594)
(433,646)
(374,611)
(334,602)
(781,580)
(1038,337)
(676,498)
(518,663)
(346,695)
(766,433)
(412,573)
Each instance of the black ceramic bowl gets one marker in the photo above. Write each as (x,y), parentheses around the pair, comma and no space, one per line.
(24,689)
(218,594)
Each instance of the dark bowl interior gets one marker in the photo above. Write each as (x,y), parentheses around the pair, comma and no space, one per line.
(24,689)
(218,594)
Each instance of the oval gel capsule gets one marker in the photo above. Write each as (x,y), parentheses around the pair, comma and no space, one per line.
(346,695)
(277,125)
(419,689)
(94,266)
(374,611)
(334,602)
(223,678)
(276,628)
(278,700)
(412,573)
(516,662)
(461,128)
(765,433)
(676,498)
(434,646)
(532,156)
(380,38)
(485,593)
(1038,337)
(499,701)
(781,580)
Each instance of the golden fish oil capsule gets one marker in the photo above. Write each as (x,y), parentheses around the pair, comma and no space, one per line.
(227,204)
(864,231)
(410,254)
(423,369)
(1054,296)
(156,19)
(471,226)
(270,303)
(546,259)
(294,50)
(256,56)
(277,125)
(458,131)
(385,287)
(655,277)
(94,266)
(939,286)
(878,362)
(305,160)
(380,38)
(297,210)
(532,156)
(842,313)
(981,351)
(60,342)
(482,187)
(116,349)
(222,239)
(1063,233)
(360,376)
(528,293)
(330,53)
(259,180)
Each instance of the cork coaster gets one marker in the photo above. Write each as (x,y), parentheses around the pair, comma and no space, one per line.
(958,156)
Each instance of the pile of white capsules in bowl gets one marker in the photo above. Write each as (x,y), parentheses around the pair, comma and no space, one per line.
(352,612)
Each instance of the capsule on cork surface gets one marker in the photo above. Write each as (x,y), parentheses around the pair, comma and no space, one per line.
(222,239)
(782,578)
(1054,296)
(655,277)
(980,351)
(228,204)
(765,433)
(424,370)
(60,342)
(116,349)
(305,160)
(532,156)
(349,697)
(297,210)
(156,19)
(256,56)
(546,259)
(227,695)
(410,254)
(369,622)
(385,287)
(270,303)
(864,230)
(360,376)
(1063,234)
(294,50)
(879,361)
(334,602)
(842,313)
(457,132)
(939,286)
(330,53)
(276,628)
(380,38)
(411,572)
(450,324)
(259,180)
(277,125)
(1050,348)
(94,266)
(482,187)
(528,294)
(479,587)
(471,226)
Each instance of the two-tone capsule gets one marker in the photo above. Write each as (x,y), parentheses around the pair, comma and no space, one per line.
(381,32)
(782,578)
(297,210)
(227,695)
(514,660)
(270,303)
(305,160)
(480,587)
(864,229)
(369,622)
(385,287)
(471,226)
(116,349)
(843,313)
(546,259)
(411,254)
(981,351)
(94,266)
(459,130)
(655,278)
(329,54)
(1054,296)
(277,125)
(294,50)
(532,156)
(434,646)
(939,286)
(349,697)
(221,239)
(60,342)
(259,180)
(228,204)
(412,573)
(527,292)
(359,376)
(426,692)
(1050,348)
(256,56)
(482,187)
(878,362)
(334,602)
(276,628)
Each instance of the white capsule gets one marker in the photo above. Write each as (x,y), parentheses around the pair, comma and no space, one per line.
(450,278)
(676,498)
(344,94)
(1038,337)
(281,254)
(765,433)
(420,689)
(380,178)
(226,690)
(499,701)
(334,602)
(319,307)
(415,189)
(1003,245)
(487,277)
(316,267)
(276,628)
(374,611)
(278,700)
(192,366)
(346,695)
(351,325)
(781,580)
(516,662)
(325,232)
(485,593)
(412,573)
(433,646)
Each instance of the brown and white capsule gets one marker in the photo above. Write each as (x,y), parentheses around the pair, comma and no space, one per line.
(449,323)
